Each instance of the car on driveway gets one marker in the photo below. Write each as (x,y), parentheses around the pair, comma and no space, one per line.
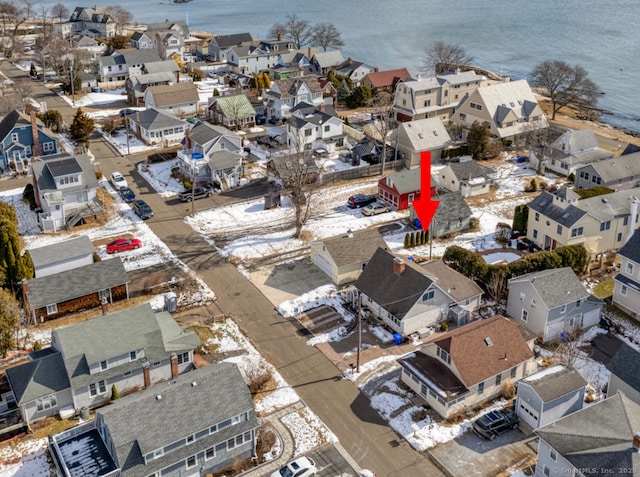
(375,209)
(300,467)
(123,244)
(126,112)
(196,193)
(360,200)
(127,194)
(118,181)
(142,209)
(495,423)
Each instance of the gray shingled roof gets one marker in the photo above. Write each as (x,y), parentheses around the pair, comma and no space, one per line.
(202,133)
(43,375)
(556,286)
(152,120)
(353,248)
(406,181)
(61,251)
(226,41)
(625,364)
(327,59)
(42,170)
(598,437)
(76,282)
(195,401)
(174,94)
(566,217)
(395,293)
(631,249)
(92,341)
(452,208)
(425,134)
(618,168)
(469,170)
(224,159)
(455,284)
(162,67)
(555,382)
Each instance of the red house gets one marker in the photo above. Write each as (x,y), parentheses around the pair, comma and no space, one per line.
(399,189)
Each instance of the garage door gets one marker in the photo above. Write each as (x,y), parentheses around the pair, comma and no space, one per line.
(527,414)
(591,318)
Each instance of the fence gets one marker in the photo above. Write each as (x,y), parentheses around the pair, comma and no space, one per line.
(358,172)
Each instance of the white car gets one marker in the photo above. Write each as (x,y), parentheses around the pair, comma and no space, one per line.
(300,467)
(118,181)
(375,209)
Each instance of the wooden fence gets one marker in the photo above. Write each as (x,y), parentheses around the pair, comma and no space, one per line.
(358,172)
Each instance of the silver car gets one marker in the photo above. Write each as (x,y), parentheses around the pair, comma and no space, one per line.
(375,209)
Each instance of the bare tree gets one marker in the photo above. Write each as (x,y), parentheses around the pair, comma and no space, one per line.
(569,350)
(502,235)
(60,12)
(12,17)
(294,28)
(326,35)
(121,16)
(564,85)
(384,122)
(497,287)
(441,57)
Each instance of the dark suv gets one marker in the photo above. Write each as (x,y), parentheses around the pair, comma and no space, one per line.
(188,195)
(494,423)
(360,200)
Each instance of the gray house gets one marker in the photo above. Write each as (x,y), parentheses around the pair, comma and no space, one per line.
(452,216)
(552,302)
(219,45)
(626,288)
(416,137)
(624,373)
(343,257)
(156,127)
(179,99)
(61,256)
(129,349)
(617,173)
(549,394)
(602,438)
(171,430)
(467,177)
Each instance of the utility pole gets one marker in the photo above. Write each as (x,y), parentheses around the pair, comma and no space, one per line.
(126,118)
(72,79)
(359,333)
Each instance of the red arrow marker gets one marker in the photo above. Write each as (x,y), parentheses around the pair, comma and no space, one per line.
(425,207)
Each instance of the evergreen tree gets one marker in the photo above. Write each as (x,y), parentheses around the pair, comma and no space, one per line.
(9,320)
(52,119)
(407,241)
(81,129)
(115,394)
(33,72)
(267,80)
(413,239)
(12,268)
(478,140)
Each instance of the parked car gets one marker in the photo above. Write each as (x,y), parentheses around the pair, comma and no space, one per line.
(360,200)
(300,467)
(125,112)
(188,195)
(123,244)
(118,181)
(494,423)
(375,208)
(142,209)
(127,194)
(260,119)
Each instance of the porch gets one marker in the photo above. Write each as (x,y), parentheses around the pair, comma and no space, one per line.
(70,216)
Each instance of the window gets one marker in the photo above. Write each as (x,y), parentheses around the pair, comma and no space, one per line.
(514,371)
(327,128)
(52,309)
(475,106)
(619,238)
(525,315)
(127,373)
(553,455)
(183,358)
(629,268)
(307,132)
(443,355)
(191,462)
(429,295)
(210,453)
(498,379)
(14,137)
(103,294)
(231,443)
(190,439)
(605,226)
(577,232)
(546,471)
(46,402)
(623,290)
(559,229)
(427,103)
(625,221)
(47,146)
(563,309)
(103,365)
(481,387)
(133,355)
(411,198)
(537,217)
(535,234)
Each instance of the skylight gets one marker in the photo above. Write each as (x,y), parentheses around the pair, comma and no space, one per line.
(488,341)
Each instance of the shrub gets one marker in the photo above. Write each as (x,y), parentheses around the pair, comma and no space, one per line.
(96,258)
(413,239)
(508,389)
(543,185)
(187,184)
(115,394)
(110,126)
(571,177)
(99,175)
(37,346)
(444,326)
(532,186)
(174,171)
(407,241)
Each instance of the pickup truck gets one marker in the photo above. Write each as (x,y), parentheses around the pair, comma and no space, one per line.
(188,195)
(494,423)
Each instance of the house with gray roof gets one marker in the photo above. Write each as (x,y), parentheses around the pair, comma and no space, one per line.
(157,127)
(509,109)
(286,94)
(171,429)
(136,85)
(343,257)
(407,297)
(617,173)
(466,176)
(355,70)
(130,349)
(24,137)
(413,138)
(624,376)
(600,224)
(95,22)
(324,61)
(211,153)
(179,99)
(399,189)
(250,59)
(452,216)
(626,288)
(64,187)
(310,128)
(571,151)
(552,303)
(549,395)
(603,438)
(234,111)
(60,256)
(67,291)
(118,66)
(219,45)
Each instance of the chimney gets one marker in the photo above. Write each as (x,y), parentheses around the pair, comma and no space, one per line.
(174,365)
(309,52)
(36,149)
(376,69)
(350,60)
(25,299)
(636,441)
(634,215)
(398,266)
(146,374)
(104,304)
(187,142)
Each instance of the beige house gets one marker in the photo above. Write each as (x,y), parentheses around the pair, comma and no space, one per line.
(601,224)
(179,99)
(343,257)
(415,137)
(509,109)
(467,366)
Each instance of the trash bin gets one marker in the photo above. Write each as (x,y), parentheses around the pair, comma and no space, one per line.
(397,339)
(84,412)
(170,302)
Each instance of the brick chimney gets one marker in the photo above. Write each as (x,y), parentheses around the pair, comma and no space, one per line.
(309,52)
(174,365)
(398,266)
(36,149)
(146,374)
(187,140)
(25,298)
(636,441)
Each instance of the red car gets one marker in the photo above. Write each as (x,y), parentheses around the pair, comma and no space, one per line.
(122,244)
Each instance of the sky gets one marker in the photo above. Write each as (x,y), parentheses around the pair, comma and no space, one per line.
(27,457)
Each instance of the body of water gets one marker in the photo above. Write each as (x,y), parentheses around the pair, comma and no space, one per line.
(506,36)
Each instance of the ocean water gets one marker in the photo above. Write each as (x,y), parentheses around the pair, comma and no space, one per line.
(505,36)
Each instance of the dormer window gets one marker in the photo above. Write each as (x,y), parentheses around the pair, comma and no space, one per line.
(443,355)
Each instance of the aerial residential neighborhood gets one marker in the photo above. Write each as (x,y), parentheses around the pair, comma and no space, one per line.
(215,259)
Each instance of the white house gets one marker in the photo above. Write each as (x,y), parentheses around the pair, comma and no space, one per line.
(312,129)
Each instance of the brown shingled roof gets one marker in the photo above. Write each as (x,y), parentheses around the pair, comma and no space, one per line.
(380,79)
(178,93)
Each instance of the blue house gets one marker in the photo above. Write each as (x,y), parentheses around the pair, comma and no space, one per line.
(23,137)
